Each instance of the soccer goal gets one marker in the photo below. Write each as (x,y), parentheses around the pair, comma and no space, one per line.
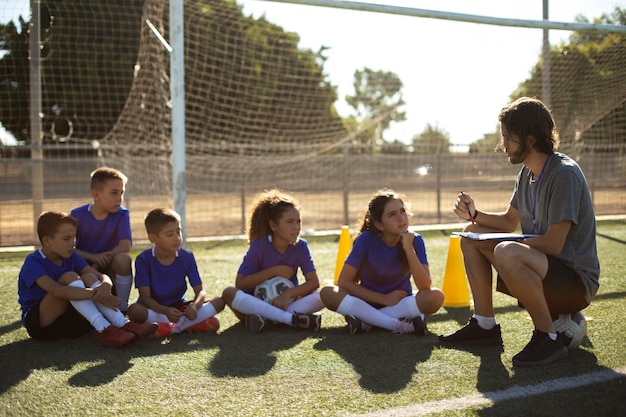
(262,111)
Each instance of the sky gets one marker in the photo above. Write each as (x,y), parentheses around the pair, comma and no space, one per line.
(456,76)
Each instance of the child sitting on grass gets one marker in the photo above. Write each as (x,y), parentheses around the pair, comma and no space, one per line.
(160,274)
(103,236)
(276,249)
(374,286)
(63,297)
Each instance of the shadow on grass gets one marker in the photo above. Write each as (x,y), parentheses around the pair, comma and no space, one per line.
(245,355)
(570,387)
(385,361)
(21,358)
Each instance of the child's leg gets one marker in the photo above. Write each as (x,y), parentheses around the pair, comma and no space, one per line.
(308,304)
(115,317)
(249,304)
(70,324)
(358,308)
(123,279)
(205,312)
(406,308)
(88,309)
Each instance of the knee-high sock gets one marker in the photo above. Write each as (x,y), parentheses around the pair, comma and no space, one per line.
(308,304)
(249,304)
(123,285)
(153,316)
(206,311)
(360,309)
(115,317)
(88,309)
(406,308)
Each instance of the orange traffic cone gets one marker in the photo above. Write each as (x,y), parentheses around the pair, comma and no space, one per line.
(455,291)
(344,249)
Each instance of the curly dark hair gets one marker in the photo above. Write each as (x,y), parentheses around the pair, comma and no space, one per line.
(268,205)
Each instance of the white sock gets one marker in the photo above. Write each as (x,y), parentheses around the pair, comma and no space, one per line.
(486,323)
(153,316)
(88,309)
(360,309)
(406,308)
(308,304)
(249,304)
(205,312)
(552,336)
(123,285)
(115,317)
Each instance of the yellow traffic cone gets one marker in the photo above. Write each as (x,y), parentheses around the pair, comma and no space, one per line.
(344,249)
(455,291)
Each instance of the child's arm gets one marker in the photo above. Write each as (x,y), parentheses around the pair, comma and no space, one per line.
(198,302)
(123,246)
(310,284)
(61,290)
(101,292)
(101,260)
(247,282)
(173,314)
(419,271)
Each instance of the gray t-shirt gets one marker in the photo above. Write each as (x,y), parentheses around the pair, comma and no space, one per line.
(561,193)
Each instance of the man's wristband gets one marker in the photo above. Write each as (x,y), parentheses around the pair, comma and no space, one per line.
(475,214)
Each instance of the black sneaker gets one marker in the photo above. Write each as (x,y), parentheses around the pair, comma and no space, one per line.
(474,335)
(419,326)
(356,325)
(307,321)
(541,350)
(255,323)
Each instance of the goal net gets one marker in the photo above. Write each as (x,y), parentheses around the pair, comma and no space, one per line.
(261,112)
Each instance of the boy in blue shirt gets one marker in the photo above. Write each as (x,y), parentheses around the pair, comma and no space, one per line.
(104,235)
(61,296)
(160,274)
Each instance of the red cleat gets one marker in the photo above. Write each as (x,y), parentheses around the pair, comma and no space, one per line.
(163,330)
(114,337)
(209,325)
(140,330)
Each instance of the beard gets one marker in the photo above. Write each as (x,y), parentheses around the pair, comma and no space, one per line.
(520,155)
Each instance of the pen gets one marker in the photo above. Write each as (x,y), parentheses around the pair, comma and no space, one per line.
(468,210)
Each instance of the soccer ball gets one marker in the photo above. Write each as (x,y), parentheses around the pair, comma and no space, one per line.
(272,288)
(572,328)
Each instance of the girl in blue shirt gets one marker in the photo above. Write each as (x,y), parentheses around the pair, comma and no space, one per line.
(276,250)
(374,286)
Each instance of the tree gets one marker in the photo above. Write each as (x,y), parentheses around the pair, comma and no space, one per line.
(246,80)
(14,79)
(487,144)
(588,78)
(377,100)
(432,140)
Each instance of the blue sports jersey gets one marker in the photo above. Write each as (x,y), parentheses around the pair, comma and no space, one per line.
(379,267)
(262,255)
(37,265)
(167,282)
(97,236)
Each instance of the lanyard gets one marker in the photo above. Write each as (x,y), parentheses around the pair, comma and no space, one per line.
(534,195)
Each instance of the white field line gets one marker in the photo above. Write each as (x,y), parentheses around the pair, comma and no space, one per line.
(492,397)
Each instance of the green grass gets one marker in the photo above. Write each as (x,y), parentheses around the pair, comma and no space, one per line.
(283,372)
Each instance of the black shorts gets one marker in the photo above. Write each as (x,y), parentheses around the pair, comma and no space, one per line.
(68,325)
(562,287)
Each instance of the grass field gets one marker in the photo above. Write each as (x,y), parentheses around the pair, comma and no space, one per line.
(282,372)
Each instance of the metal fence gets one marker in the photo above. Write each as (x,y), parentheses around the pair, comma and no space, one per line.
(333,189)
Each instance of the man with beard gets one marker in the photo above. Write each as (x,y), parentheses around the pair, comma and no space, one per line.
(556,271)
